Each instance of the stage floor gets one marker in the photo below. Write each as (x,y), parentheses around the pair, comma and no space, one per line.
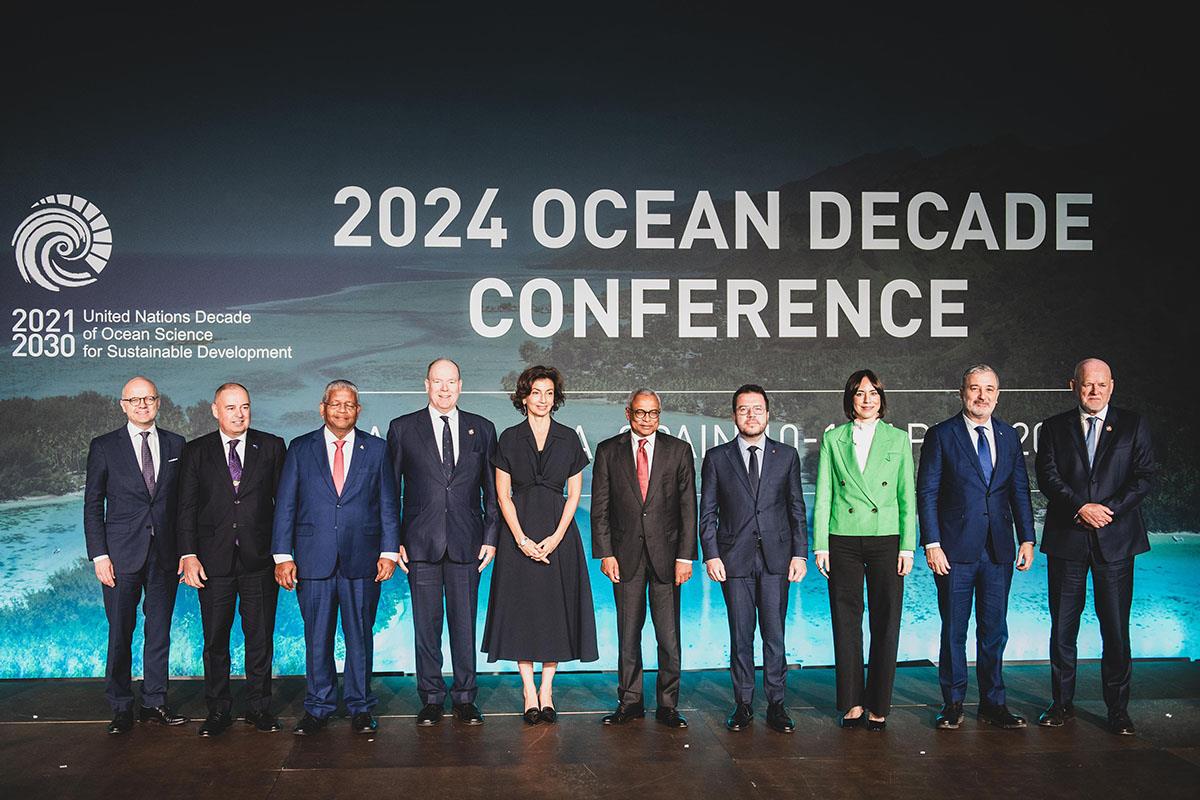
(53,744)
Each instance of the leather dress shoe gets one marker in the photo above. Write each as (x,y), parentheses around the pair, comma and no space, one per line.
(532,716)
(308,725)
(1120,723)
(778,719)
(1056,715)
(669,716)
(740,718)
(431,714)
(264,720)
(850,723)
(548,715)
(950,717)
(1000,716)
(468,714)
(216,723)
(122,722)
(876,724)
(624,713)
(364,722)
(163,715)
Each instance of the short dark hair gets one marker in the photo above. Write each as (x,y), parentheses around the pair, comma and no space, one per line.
(525,387)
(852,386)
(750,388)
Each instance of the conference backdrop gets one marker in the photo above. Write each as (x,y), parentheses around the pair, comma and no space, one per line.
(686,204)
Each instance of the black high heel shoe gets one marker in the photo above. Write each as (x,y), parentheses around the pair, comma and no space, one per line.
(875,724)
(849,723)
(549,715)
(532,716)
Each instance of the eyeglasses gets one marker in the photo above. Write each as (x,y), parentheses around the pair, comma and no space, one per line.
(344,406)
(148,400)
(750,411)
(641,414)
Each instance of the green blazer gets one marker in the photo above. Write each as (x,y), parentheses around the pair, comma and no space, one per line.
(880,501)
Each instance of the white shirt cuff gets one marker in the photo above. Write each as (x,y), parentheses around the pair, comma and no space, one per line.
(906,553)
(820,552)
(932,544)
(100,558)
(189,555)
(392,556)
(282,558)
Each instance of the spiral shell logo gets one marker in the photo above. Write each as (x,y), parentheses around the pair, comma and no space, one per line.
(65,242)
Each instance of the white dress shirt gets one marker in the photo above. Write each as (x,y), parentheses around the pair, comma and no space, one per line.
(439,426)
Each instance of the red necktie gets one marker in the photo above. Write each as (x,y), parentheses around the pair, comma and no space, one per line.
(339,466)
(643,468)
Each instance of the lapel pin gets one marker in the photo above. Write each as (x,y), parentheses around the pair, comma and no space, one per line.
(470,431)
(1108,428)
(362,447)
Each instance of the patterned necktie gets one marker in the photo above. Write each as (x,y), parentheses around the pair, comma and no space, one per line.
(1090,440)
(147,463)
(753,469)
(447,449)
(643,468)
(985,453)
(235,465)
(339,467)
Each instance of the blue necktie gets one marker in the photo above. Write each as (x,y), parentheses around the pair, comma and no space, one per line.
(985,454)
(1090,440)
(447,449)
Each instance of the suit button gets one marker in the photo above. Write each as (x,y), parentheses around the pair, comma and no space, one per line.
(235,525)
(842,483)
(237,502)
(885,483)
(874,510)
(339,505)
(851,510)
(643,513)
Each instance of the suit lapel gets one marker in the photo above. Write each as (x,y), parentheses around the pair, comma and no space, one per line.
(1106,436)
(656,470)
(322,460)
(166,452)
(734,453)
(959,429)
(220,465)
(130,457)
(850,458)
(431,445)
(357,465)
(1076,431)
(627,465)
(1005,444)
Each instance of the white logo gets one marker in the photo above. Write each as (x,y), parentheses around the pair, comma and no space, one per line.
(63,235)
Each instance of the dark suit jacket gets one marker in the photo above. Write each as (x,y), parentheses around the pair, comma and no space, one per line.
(440,517)
(664,526)
(212,518)
(326,532)
(961,512)
(732,518)
(1121,477)
(118,513)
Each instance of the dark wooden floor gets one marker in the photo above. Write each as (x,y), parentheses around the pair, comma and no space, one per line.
(53,744)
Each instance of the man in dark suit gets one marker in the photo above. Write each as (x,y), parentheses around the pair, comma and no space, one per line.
(972,486)
(754,535)
(129,523)
(644,533)
(227,486)
(1095,464)
(336,537)
(442,460)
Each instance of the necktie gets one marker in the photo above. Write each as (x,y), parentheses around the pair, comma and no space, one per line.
(147,463)
(985,453)
(447,449)
(1090,441)
(235,465)
(754,469)
(339,467)
(643,468)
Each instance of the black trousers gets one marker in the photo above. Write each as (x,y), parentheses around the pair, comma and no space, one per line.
(631,596)
(456,585)
(851,559)
(160,584)
(256,595)
(1112,587)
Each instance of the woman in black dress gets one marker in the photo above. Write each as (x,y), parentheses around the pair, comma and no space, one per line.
(540,607)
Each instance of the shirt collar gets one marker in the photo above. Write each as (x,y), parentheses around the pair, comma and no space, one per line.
(225,440)
(649,439)
(1100,415)
(437,415)
(330,438)
(135,431)
(865,425)
(744,445)
(972,425)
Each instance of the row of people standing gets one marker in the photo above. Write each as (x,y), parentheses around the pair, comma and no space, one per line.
(443,497)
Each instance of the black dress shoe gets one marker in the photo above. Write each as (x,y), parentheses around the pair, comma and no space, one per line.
(364,722)
(1000,716)
(532,716)
(1056,715)
(431,714)
(850,723)
(468,714)
(216,723)
(1120,723)
(740,718)
(163,715)
(778,719)
(624,713)
(308,725)
(122,722)
(549,715)
(667,715)
(264,720)
(950,717)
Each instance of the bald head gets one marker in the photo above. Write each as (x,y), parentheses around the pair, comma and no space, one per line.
(1092,384)
(139,401)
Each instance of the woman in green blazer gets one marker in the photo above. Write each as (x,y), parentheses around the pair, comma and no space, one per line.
(865,526)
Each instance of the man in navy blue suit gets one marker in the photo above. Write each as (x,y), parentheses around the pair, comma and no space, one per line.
(129,523)
(972,485)
(335,538)
(753,531)
(1095,464)
(442,460)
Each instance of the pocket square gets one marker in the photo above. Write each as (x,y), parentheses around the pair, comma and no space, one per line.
(169,460)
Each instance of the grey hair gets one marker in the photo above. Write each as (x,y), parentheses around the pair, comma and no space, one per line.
(638,392)
(438,360)
(977,368)
(340,383)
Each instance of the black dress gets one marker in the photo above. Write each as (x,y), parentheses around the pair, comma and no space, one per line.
(538,611)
